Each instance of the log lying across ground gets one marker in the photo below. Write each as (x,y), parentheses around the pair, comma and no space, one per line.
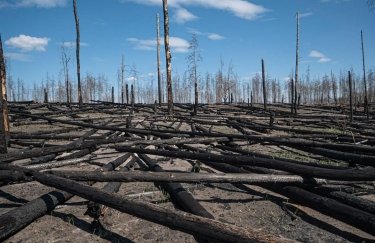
(350,199)
(356,217)
(184,177)
(95,210)
(16,219)
(60,163)
(178,194)
(366,174)
(188,223)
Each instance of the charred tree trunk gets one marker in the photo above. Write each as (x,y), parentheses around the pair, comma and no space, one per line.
(45,96)
(127,93)
(292,96)
(113,95)
(168,57)
(132,96)
(350,96)
(183,177)
(348,214)
(179,195)
(4,115)
(296,74)
(80,101)
(365,108)
(158,57)
(195,95)
(264,86)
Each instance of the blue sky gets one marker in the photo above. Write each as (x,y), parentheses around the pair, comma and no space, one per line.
(238,31)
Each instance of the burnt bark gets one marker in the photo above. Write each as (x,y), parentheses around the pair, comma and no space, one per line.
(80,101)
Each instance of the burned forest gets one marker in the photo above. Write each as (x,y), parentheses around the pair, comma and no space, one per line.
(192,158)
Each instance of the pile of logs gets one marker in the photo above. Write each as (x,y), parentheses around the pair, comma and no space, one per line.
(318,159)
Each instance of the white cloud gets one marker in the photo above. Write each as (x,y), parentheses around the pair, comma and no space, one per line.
(320,56)
(302,15)
(71,44)
(28,43)
(17,56)
(177,44)
(145,45)
(182,15)
(214,36)
(210,36)
(33,3)
(240,8)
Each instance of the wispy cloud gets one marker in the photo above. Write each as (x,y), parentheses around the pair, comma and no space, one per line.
(182,15)
(240,8)
(28,43)
(307,14)
(319,56)
(214,36)
(71,44)
(209,35)
(17,56)
(176,43)
(32,3)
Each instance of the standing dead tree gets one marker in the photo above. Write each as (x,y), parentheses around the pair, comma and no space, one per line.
(350,96)
(292,95)
(168,57)
(158,57)
(193,58)
(80,101)
(264,86)
(296,73)
(65,59)
(365,110)
(122,77)
(4,116)
(127,93)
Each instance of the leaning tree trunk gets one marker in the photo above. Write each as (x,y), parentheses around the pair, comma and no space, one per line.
(168,57)
(80,101)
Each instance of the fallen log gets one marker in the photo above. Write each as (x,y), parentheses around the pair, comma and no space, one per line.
(259,155)
(351,200)
(174,141)
(178,194)
(185,222)
(184,177)
(60,163)
(348,214)
(11,176)
(16,219)
(96,210)
(78,144)
(354,174)
(352,158)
